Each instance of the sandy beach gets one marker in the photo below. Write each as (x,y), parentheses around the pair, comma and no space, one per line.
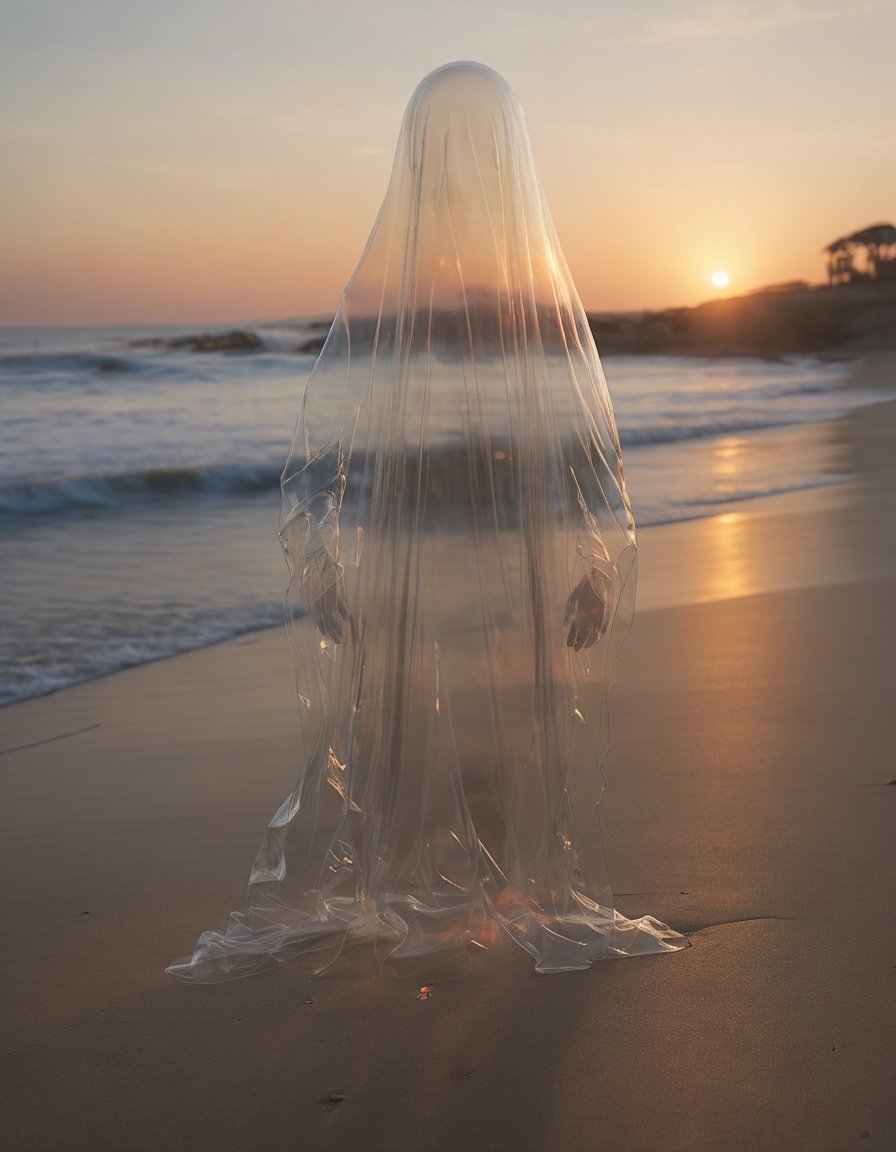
(748,805)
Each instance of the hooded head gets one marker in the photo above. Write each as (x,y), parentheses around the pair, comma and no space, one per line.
(464,223)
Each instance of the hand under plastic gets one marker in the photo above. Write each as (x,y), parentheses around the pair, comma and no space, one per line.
(586,615)
(324,589)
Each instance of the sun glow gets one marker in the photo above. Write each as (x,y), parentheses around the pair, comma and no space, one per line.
(720,279)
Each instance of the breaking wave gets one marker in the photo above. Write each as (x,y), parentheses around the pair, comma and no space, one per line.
(69,493)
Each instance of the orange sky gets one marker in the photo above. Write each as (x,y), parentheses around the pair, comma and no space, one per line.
(209,161)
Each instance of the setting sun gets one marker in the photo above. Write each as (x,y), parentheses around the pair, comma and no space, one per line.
(720,279)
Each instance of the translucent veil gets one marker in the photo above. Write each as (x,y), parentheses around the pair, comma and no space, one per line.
(462,559)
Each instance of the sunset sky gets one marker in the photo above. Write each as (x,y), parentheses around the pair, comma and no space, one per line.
(203,160)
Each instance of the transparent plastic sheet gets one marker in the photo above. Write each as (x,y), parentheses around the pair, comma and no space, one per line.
(462,557)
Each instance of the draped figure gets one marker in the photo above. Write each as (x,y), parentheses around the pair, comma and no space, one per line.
(462,557)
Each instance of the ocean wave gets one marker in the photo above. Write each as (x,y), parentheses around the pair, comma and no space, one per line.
(674,431)
(697,415)
(37,675)
(73,493)
(651,514)
(40,496)
(13,364)
(154,359)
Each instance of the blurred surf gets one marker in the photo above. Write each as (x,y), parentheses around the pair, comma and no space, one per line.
(139,476)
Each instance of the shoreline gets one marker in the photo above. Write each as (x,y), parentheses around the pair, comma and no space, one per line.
(656,537)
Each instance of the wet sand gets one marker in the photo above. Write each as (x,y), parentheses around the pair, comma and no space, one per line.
(748,804)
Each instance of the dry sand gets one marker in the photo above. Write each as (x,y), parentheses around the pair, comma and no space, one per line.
(753,738)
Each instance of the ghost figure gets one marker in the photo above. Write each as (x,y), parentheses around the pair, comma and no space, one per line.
(462,554)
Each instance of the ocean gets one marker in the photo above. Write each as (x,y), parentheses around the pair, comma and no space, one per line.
(139,483)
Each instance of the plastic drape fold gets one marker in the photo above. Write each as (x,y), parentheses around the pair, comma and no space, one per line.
(462,557)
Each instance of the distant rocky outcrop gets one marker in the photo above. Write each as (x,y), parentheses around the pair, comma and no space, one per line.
(312,345)
(236,340)
(780,320)
(784,319)
(790,319)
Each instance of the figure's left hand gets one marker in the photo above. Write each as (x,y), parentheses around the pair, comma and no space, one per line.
(586,615)
(324,589)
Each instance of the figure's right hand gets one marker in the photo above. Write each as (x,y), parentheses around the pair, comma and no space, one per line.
(586,614)
(324,590)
